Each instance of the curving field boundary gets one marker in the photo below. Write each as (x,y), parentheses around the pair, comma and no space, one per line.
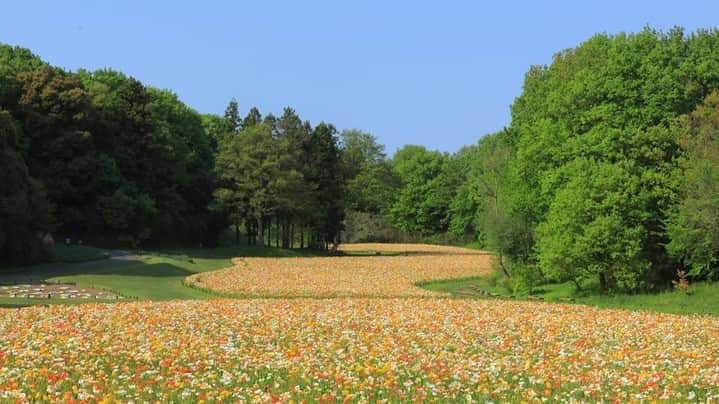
(381,276)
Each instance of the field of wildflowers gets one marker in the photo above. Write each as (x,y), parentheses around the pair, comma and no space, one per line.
(384,276)
(354,349)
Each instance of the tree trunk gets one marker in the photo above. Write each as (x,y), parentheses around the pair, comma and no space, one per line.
(277,233)
(286,234)
(501,265)
(302,237)
(260,233)
(292,235)
(254,232)
(248,229)
(237,233)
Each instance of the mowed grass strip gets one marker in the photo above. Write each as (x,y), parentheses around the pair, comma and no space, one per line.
(382,276)
(142,275)
(357,350)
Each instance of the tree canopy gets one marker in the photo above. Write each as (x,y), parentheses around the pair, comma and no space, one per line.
(606,174)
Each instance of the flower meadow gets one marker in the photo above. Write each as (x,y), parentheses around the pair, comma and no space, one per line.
(383,276)
(354,349)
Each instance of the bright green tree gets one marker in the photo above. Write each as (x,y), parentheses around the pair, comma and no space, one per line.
(422,203)
(693,223)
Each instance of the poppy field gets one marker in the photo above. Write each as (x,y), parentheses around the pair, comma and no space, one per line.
(379,276)
(372,337)
(359,350)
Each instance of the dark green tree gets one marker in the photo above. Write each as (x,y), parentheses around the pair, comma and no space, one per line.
(232,120)
(53,108)
(253,118)
(326,176)
(25,214)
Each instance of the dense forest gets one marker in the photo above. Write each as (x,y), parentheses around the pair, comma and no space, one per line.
(607,173)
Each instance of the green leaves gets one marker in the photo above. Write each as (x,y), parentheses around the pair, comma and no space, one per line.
(595,136)
(693,223)
(24,209)
(594,227)
(422,203)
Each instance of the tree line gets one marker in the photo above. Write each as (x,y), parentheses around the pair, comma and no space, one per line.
(100,156)
(607,175)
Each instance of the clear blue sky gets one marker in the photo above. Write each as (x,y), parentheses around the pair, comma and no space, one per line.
(439,74)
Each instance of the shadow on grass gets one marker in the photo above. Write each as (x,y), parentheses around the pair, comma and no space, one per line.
(130,268)
(149,263)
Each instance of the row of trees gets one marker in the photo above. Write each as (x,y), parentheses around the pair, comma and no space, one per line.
(279,170)
(603,146)
(608,174)
(101,156)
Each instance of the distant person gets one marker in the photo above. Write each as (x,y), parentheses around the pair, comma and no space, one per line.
(67,241)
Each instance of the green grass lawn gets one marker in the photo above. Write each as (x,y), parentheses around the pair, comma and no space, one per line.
(150,275)
(467,287)
(703,299)
(159,275)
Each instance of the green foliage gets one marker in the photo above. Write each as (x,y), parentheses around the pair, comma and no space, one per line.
(370,186)
(693,223)
(373,190)
(253,118)
(596,151)
(422,203)
(249,166)
(703,299)
(24,210)
(359,151)
(232,121)
(52,109)
(128,214)
(260,178)
(594,228)
(365,227)
(604,175)
(525,279)
(461,171)
(89,137)
(326,174)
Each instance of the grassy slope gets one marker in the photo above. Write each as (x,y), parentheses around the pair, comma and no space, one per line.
(158,275)
(703,299)
(153,275)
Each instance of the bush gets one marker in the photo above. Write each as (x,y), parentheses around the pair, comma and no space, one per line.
(525,278)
